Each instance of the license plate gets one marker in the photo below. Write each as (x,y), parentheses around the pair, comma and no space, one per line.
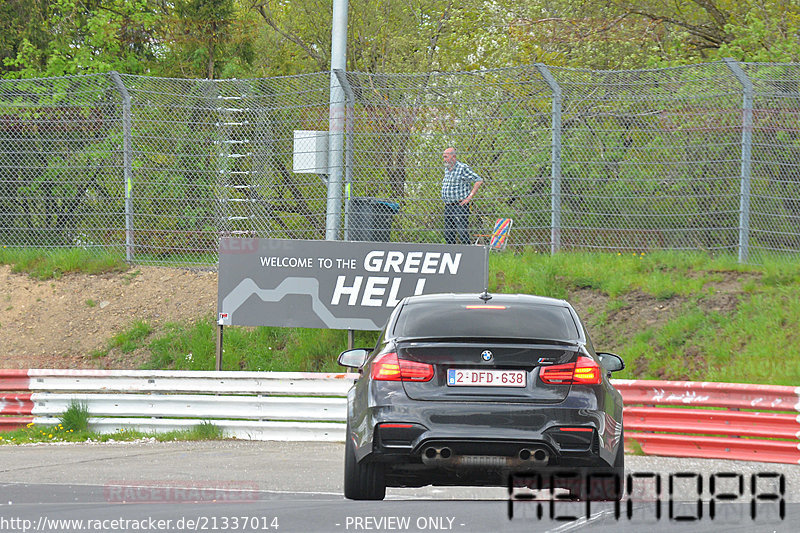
(485,378)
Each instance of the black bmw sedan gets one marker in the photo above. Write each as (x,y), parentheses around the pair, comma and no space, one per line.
(468,389)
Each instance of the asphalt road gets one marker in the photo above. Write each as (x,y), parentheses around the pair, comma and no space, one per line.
(287,487)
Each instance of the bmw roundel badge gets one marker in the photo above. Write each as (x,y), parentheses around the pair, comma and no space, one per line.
(486,355)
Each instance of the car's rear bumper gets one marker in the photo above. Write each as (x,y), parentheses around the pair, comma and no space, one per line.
(502,436)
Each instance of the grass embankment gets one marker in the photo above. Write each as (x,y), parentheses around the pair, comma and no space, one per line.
(681,316)
(670,316)
(52,264)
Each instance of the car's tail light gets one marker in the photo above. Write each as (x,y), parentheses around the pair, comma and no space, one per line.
(414,371)
(585,371)
(388,367)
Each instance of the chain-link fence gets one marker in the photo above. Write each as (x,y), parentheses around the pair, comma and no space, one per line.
(703,157)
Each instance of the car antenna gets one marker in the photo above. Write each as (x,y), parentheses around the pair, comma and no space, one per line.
(485,296)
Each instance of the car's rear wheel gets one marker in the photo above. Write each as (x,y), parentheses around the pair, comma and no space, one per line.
(619,461)
(606,484)
(364,480)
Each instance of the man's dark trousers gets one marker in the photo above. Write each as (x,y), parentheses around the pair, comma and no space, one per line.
(456,218)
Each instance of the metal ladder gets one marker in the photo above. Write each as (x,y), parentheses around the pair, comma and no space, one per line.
(237,196)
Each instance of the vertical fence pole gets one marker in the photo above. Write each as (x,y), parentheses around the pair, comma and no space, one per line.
(126,163)
(348,166)
(335,129)
(555,160)
(218,359)
(747,156)
(348,150)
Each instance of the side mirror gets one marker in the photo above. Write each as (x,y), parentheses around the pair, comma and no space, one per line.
(611,361)
(353,358)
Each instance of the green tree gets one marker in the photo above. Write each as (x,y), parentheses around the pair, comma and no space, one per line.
(704,30)
(201,35)
(768,34)
(80,37)
(23,25)
(578,34)
(383,35)
(631,34)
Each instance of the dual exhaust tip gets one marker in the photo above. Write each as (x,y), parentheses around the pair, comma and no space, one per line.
(441,453)
(536,455)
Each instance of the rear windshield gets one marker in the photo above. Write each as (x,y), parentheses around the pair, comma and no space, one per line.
(514,321)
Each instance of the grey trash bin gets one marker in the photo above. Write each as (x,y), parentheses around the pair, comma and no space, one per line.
(370,219)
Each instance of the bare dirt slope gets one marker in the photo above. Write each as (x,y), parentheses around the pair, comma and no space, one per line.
(58,323)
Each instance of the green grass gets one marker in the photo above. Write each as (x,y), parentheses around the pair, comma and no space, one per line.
(52,264)
(193,347)
(60,433)
(132,338)
(75,418)
(635,448)
(204,431)
(661,274)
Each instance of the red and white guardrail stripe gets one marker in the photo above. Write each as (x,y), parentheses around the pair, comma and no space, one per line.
(15,403)
(756,422)
(674,418)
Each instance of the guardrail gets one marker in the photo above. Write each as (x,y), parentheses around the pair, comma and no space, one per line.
(674,418)
(726,420)
(246,405)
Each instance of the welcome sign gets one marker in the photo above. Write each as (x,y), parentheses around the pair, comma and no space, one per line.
(336,284)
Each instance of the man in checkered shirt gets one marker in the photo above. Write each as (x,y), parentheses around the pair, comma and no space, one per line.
(459,186)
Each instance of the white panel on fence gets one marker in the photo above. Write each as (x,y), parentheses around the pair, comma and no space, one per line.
(196,406)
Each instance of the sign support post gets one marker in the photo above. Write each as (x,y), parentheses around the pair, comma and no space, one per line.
(218,365)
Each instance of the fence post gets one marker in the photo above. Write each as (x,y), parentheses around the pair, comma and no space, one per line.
(348,166)
(747,154)
(333,209)
(348,150)
(126,163)
(555,160)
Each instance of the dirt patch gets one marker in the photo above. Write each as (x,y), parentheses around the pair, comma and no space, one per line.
(613,322)
(58,323)
(626,315)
